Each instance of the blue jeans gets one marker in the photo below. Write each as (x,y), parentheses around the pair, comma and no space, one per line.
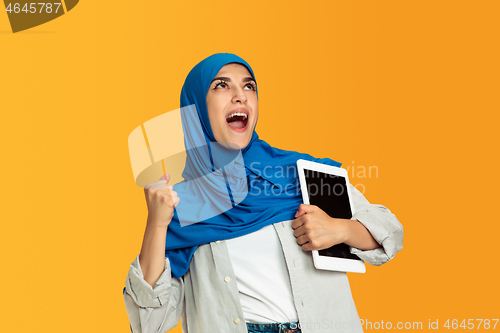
(274,328)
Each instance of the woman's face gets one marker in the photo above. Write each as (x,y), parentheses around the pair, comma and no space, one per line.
(233,106)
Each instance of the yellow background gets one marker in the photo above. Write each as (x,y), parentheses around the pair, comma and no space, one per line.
(411,87)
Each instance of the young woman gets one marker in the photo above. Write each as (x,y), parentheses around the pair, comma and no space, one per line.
(242,262)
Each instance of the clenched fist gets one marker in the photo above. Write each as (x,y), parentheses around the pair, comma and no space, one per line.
(316,230)
(161,200)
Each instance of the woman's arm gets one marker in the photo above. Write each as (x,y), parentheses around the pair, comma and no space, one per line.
(161,200)
(359,237)
(373,233)
(152,256)
(153,299)
(316,230)
(153,309)
(383,225)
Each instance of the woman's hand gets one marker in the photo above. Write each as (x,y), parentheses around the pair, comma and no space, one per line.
(161,200)
(316,230)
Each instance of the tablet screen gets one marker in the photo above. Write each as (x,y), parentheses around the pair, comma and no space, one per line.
(329,192)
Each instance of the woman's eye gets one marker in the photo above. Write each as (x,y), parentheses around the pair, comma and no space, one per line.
(250,86)
(221,84)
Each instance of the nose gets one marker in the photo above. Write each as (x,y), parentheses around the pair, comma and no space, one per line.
(239,96)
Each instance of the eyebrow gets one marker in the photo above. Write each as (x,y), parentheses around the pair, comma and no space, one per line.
(223,78)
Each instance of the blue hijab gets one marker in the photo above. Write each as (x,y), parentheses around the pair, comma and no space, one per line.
(226,193)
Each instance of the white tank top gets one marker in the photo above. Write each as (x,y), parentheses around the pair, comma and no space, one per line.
(262,277)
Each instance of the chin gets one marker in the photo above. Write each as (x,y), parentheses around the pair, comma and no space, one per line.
(236,144)
(242,144)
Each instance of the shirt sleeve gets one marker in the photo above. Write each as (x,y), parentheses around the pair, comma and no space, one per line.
(383,226)
(155,309)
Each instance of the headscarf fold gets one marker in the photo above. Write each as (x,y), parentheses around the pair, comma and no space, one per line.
(226,193)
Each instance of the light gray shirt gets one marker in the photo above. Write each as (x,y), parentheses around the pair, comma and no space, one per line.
(206,298)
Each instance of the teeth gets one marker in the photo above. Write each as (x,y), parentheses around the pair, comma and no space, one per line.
(237,114)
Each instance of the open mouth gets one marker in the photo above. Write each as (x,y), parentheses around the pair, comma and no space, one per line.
(237,121)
